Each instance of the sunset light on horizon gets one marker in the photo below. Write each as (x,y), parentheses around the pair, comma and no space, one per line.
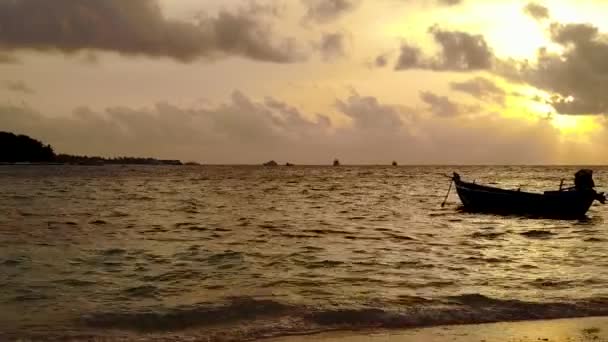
(371,81)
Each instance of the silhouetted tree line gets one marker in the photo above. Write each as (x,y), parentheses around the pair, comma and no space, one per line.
(86,160)
(21,148)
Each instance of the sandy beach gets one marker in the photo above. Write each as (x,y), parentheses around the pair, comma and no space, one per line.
(563,330)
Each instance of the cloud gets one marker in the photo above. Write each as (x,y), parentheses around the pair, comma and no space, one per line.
(18,87)
(324,11)
(332,46)
(459,51)
(381,61)
(441,105)
(481,88)
(577,78)
(450,2)
(462,51)
(244,130)
(368,114)
(410,58)
(138,27)
(7,59)
(537,11)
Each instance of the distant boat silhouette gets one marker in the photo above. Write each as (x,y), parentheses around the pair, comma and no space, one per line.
(336,162)
(289,164)
(395,163)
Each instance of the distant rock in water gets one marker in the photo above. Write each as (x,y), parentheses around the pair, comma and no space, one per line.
(289,164)
(271,163)
(395,163)
(336,162)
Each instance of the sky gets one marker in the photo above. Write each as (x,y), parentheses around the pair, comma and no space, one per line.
(307,81)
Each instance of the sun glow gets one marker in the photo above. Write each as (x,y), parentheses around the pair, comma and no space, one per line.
(514,34)
(533,104)
(574,124)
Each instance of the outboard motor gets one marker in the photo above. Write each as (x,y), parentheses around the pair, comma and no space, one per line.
(583,180)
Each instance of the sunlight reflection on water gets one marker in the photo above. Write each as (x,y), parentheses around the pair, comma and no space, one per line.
(81,240)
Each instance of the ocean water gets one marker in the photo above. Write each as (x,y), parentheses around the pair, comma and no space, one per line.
(223,253)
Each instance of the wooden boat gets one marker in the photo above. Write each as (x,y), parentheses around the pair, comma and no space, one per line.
(569,203)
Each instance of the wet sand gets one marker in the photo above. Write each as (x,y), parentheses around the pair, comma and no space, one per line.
(563,330)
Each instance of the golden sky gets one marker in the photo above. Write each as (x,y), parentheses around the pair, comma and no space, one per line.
(305,81)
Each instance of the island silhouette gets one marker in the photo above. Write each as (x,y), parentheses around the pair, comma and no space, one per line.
(18,149)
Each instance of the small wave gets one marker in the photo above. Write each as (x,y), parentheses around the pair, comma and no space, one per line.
(463,309)
(486,235)
(413,264)
(180,225)
(175,275)
(197,228)
(75,282)
(225,256)
(98,222)
(145,291)
(30,295)
(538,234)
(489,260)
(117,213)
(12,262)
(324,264)
(554,284)
(325,231)
(237,309)
(399,237)
(298,236)
(113,251)
(527,266)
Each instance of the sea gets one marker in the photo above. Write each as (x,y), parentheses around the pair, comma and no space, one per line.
(241,253)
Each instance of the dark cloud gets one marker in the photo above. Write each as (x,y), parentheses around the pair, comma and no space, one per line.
(324,11)
(462,51)
(368,114)
(481,88)
(410,58)
(459,51)
(243,130)
(537,11)
(381,61)
(576,78)
(18,87)
(441,105)
(7,59)
(138,27)
(333,46)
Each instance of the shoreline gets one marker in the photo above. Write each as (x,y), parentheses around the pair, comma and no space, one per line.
(588,329)
(557,330)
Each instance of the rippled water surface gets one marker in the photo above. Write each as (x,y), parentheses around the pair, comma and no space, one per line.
(235,253)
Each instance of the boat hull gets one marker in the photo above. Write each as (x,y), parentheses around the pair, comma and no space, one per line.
(572,204)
